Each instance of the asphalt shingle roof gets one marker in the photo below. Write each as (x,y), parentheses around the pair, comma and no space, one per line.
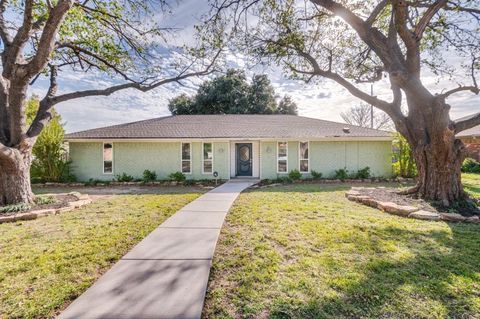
(228,126)
(474,131)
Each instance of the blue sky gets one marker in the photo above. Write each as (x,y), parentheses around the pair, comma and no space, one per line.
(324,100)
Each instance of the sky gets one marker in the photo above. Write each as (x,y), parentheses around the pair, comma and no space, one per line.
(324,100)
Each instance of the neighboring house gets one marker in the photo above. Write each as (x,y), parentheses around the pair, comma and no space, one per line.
(258,146)
(471,139)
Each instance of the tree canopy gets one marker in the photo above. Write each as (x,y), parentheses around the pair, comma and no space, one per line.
(232,94)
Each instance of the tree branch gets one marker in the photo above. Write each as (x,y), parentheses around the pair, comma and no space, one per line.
(376,11)
(427,17)
(401,16)
(470,88)
(50,100)
(4,34)
(467,123)
(47,39)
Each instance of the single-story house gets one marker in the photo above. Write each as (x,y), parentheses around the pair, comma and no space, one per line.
(257,146)
(471,139)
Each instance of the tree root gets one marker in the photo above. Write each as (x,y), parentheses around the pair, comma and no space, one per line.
(410,191)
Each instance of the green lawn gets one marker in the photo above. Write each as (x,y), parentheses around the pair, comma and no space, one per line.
(471,183)
(304,251)
(47,262)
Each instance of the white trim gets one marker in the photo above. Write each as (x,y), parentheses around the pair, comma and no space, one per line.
(303,159)
(203,158)
(222,139)
(103,159)
(286,157)
(182,160)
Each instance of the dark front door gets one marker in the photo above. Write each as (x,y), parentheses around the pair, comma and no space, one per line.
(244,159)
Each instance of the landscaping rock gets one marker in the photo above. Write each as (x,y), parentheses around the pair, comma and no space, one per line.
(7,219)
(25,216)
(43,212)
(452,217)
(64,209)
(352,193)
(396,209)
(425,215)
(473,219)
(79,203)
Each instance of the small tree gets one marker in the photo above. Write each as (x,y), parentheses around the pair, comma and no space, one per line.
(362,116)
(50,162)
(404,162)
(287,106)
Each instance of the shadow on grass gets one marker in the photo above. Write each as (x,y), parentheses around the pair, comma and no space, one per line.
(444,269)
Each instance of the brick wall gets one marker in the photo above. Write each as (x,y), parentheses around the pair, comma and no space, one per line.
(473,147)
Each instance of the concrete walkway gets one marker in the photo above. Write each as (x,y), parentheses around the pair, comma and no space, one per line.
(165,276)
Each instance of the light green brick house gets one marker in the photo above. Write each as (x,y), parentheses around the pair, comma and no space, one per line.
(257,146)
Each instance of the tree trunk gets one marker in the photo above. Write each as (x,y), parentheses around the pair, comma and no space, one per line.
(438,154)
(15,184)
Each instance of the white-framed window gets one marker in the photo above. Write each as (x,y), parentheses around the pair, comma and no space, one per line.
(107,158)
(207,158)
(303,157)
(186,158)
(282,157)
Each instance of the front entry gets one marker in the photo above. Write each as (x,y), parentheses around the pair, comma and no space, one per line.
(244,159)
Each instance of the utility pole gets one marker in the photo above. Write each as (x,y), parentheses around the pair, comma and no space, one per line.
(371,107)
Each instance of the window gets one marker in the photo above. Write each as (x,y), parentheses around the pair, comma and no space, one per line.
(186,158)
(282,153)
(303,157)
(207,158)
(107,158)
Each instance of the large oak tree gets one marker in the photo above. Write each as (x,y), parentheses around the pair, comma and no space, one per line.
(45,37)
(353,42)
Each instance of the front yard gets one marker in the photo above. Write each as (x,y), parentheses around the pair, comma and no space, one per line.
(46,263)
(305,251)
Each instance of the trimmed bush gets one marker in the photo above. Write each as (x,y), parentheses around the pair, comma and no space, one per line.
(315,174)
(149,176)
(341,174)
(363,173)
(124,177)
(177,177)
(295,175)
(470,165)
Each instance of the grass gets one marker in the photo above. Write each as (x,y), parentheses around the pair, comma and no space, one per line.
(304,251)
(46,263)
(471,183)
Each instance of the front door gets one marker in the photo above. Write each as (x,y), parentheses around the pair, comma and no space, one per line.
(244,159)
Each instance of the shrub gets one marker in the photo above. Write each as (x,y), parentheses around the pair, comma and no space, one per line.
(315,174)
(470,165)
(45,200)
(149,176)
(124,177)
(295,175)
(284,180)
(341,174)
(177,177)
(14,208)
(363,173)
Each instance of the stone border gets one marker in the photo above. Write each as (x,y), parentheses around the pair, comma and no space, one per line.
(82,200)
(406,211)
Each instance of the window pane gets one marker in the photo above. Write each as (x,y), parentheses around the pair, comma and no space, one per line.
(207,151)
(282,165)
(107,167)
(304,150)
(207,166)
(185,166)
(303,165)
(107,152)
(107,158)
(185,151)
(282,149)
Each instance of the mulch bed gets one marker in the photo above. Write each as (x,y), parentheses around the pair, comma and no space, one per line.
(61,200)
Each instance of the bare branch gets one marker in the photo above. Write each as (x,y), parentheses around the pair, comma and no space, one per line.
(467,123)
(401,16)
(376,11)
(427,17)
(471,88)
(4,34)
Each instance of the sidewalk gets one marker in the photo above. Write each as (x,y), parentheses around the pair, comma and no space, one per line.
(165,276)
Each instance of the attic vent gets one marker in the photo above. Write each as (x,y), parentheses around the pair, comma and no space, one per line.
(346,130)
